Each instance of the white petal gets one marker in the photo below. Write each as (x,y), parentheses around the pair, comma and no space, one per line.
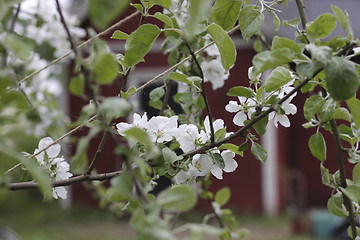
(61,192)
(290,109)
(122,127)
(284,120)
(239,119)
(232,106)
(181,177)
(217,172)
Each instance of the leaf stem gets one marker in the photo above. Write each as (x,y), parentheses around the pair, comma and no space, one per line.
(203,91)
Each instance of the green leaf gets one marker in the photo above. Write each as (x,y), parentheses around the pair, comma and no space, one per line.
(342,113)
(352,192)
(317,146)
(260,126)
(276,21)
(240,91)
(179,198)
(139,43)
(321,27)
(225,45)
(19,45)
(170,156)
(336,206)
(103,12)
(222,196)
(271,59)
(128,93)
(177,76)
(354,106)
(280,42)
(344,20)
(356,174)
(231,147)
(259,152)
(138,6)
(312,106)
(76,85)
(119,35)
(163,3)
(342,79)
(243,146)
(105,68)
(250,21)
(115,107)
(277,78)
(327,110)
(155,95)
(140,135)
(15,98)
(322,54)
(121,187)
(218,159)
(225,13)
(164,18)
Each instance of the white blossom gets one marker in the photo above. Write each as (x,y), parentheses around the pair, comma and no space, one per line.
(187,136)
(54,164)
(288,108)
(138,121)
(214,72)
(246,105)
(230,164)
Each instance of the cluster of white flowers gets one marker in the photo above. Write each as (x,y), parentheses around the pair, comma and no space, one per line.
(247,106)
(165,129)
(54,164)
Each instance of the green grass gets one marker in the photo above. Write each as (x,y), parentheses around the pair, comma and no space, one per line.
(34,219)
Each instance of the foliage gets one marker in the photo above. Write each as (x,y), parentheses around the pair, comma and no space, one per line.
(187,147)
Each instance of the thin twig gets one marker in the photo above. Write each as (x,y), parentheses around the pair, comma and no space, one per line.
(66,182)
(82,45)
(339,153)
(203,90)
(302,13)
(55,142)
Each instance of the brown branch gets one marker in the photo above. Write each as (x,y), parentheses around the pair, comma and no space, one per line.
(339,154)
(67,182)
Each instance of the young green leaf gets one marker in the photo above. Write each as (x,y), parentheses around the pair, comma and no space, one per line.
(218,159)
(260,126)
(327,110)
(115,107)
(271,59)
(163,3)
(354,106)
(336,206)
(105,68)
(240,91)
(280,42)
(119,35)
(342,113)
(170,156)
(321,27)
(76,85)
(342,78)
(19,45)
(222,196)
(139,43)
(179,198)
(177,76)
(356,174)
(352,192)
(250,21)
(344,20)
(312,106)
(277,78)
(103,12)
(317,146)
(224,43)
(121,187)
(225,13)
(259,152)
(231,147)
(164,18)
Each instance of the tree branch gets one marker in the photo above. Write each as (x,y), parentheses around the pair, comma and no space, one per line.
(302,13)
(66,182)
(339,153)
